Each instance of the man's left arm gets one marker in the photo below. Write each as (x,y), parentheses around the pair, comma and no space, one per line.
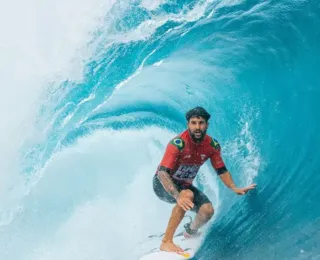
(224,174)
(227,180)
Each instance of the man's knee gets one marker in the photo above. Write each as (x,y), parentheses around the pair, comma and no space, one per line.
(206,210)
(187,193)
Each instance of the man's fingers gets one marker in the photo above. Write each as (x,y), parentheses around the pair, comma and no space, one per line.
(245,190)
(251,187)
(184,207)
(190,204)
(186,204)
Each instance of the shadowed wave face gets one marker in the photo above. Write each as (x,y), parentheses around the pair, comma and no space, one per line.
(89,108)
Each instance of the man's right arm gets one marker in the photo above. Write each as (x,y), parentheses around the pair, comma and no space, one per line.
(167,164)
(167,182)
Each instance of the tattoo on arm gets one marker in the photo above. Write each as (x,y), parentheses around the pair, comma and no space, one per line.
(168,184)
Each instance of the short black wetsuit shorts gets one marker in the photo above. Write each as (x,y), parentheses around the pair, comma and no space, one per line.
(199,197)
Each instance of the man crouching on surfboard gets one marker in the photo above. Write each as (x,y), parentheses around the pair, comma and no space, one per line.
(179,166)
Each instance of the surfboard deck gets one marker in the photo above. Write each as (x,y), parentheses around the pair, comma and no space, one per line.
(189,245)
(161,255)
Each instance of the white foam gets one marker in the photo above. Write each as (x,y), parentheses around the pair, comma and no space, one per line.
(250,163)
(40,41)
(148,27)
(152,4)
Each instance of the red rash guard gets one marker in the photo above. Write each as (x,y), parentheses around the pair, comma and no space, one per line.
(183,157)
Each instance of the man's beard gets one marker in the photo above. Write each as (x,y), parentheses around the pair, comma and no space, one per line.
(197,139)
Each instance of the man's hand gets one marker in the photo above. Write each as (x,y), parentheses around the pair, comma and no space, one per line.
(242,191)
(185,203)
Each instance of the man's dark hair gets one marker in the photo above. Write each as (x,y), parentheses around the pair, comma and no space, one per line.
(197,112)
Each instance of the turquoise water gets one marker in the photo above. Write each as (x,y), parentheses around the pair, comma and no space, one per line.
(84,189)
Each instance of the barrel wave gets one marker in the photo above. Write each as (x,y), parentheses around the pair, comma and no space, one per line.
(92,93)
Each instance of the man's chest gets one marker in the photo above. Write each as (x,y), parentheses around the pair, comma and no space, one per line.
(193,156)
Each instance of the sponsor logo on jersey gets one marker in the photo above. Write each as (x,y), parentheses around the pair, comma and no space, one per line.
(186,172)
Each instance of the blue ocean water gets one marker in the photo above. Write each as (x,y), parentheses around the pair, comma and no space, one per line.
(84,188)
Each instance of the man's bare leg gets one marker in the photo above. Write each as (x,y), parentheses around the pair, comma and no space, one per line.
(204,215)
(175,219)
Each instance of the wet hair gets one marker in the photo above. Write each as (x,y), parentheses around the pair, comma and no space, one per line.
(197,112)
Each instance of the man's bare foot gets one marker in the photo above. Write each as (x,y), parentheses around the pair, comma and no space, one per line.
(169,246)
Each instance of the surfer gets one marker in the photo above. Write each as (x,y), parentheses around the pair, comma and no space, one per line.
(179,166)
